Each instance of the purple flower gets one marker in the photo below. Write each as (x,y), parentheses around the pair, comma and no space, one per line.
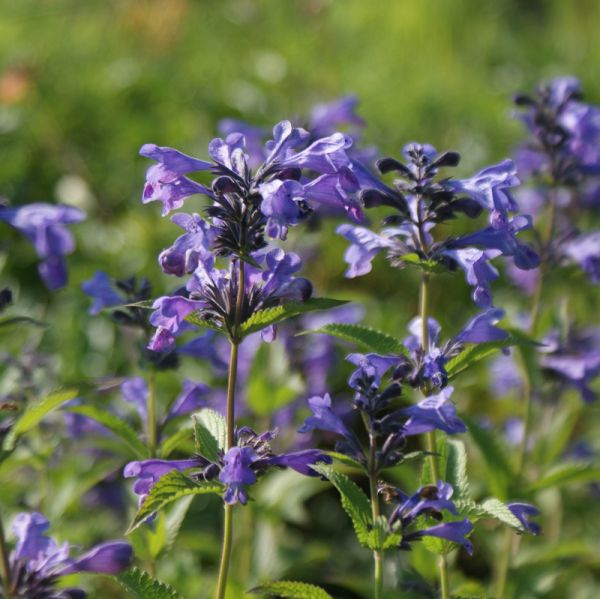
(193,396)
(300,461)
(584,250)
(523,512)
(165,181)
(38,561)
(325,155)
(194,245)
(44,226)
(168,318)
(237,473)
(326,118)
(336,194)
(149,472)
(365,245)
(434,412)
(482,329)
(430,500)
(324,418)
(281,205)
(100,288)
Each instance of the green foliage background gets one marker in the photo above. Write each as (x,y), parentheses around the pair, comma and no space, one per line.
(84,83)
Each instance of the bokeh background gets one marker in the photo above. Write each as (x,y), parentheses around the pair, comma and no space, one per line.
(83,84)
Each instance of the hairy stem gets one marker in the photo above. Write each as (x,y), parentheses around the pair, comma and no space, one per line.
(4,563)
(230,438)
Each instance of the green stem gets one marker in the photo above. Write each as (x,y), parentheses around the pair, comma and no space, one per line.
(151,409)
(230,437)
(430,437)
(4,563)
(375,511)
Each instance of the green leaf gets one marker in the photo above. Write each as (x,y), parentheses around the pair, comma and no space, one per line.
(142,586)
(347,460)
(10,320)
(197,319)
(499,471)
(168,489)
(566,474)
(473,353)
(175,518)
(214,423)
(116,426)
(380,538)
(494,508)
(367,339)
(354,501)
(205,442)
(291,590)
(170,444)
(456,469)
(34,414)
(264,318)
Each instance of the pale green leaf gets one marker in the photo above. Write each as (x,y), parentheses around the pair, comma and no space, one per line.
(291,590)
(567,474)
(214,423)
(264,318)
(367,339)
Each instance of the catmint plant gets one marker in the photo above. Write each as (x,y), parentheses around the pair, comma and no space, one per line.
(420,200)
(237,284)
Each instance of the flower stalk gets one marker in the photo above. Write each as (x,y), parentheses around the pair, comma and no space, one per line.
(230,436)
(4,563)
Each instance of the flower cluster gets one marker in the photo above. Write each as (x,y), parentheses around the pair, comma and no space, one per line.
(237,468)
(421,201)
(38,562)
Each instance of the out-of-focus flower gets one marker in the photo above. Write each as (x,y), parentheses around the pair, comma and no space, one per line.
(38,562)
(45,227)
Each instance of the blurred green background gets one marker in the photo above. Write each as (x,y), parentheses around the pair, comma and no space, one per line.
(84,83)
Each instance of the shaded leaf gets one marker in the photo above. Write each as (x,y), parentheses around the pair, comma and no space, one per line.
(170,444)
(169,488)
(354,501)
(10,320)
(35,412)
(116,426)
(456,469)
(214,423)
(567,474)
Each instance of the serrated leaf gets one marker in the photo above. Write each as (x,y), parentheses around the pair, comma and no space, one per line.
(291,590)
(473,353)
(142,586)
(367,339)
(115,425)
(205,442)
(456,469)
(214,423)
(494,508)
(567,474)
(499,471)
(354,501)
(380,538)
(34,414)
(264,318)
(168,489)
(175,518)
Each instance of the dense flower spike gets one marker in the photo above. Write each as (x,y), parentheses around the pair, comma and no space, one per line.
(421,201)
(38,562)
(45,227)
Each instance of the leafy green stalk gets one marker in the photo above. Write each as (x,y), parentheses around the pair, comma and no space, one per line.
(375,511)
(230,435)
